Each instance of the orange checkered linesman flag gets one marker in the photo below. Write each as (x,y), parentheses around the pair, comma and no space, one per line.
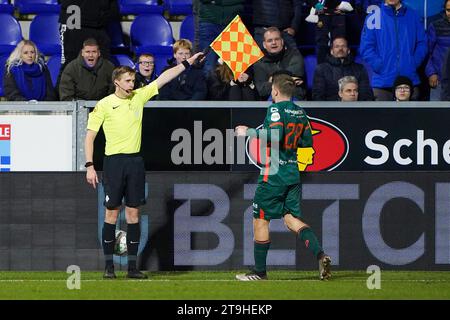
(236,47)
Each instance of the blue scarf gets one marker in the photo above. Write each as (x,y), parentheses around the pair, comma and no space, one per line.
(23,73)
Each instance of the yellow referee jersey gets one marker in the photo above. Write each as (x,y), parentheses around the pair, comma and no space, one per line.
(122,119)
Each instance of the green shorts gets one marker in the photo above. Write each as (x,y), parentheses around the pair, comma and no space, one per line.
(273,202)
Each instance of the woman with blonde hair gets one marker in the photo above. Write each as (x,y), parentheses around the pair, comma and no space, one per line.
(26,75)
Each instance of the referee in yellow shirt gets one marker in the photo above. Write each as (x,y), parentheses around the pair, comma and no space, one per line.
(120,114)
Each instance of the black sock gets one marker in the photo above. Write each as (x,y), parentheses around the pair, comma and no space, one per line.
(108,242)
(133,236)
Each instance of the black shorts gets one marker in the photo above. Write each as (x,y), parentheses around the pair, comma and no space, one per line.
(124,177)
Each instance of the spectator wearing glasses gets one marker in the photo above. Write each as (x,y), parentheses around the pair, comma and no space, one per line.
(145,70)
(402,88)
(438,44)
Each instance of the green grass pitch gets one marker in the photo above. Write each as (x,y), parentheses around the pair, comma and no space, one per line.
(212,285)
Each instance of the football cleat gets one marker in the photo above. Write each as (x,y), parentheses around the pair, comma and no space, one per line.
(325,267)
(252,276)
(109,273)
(136,274)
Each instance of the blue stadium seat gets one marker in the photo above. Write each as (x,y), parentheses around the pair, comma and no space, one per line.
(310,67)
(54,65)
(151,33)
(116,36)
(37,6)
(44,32)
(187,28)
(122,60)
(161,61)
(179,7)
(6,7)
(2,70)
(137,7)
(10,35)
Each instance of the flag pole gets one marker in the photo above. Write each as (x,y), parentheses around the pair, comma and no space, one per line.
(425,13)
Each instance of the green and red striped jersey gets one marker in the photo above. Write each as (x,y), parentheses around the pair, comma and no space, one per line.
(286,127)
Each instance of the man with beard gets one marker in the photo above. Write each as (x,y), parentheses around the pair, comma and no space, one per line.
(338,64)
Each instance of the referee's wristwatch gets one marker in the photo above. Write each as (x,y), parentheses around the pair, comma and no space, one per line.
(186,64)
(88,164)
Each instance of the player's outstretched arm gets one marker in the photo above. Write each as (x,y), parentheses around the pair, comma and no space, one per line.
(172,73)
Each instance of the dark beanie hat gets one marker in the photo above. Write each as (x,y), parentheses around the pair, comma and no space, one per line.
(403,80)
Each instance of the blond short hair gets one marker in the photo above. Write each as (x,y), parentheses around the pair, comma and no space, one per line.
(119,71)
(182,44)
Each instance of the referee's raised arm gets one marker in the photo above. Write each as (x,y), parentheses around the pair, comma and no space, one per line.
(172,73)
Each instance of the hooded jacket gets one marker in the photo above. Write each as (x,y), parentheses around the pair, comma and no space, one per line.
(397,46)
(79,82)
(327,74)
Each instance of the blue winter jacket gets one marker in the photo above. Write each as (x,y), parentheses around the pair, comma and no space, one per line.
(397,47)
(438,43)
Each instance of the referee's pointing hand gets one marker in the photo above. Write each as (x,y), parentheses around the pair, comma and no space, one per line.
(91,176)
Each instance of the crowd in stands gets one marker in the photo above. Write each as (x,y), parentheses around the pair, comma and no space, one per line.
(398,56)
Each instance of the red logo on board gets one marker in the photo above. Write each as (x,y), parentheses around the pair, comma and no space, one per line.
(330,148)
(5,132)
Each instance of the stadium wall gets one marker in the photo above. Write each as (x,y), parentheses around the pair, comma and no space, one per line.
(370,136)
(202,220)
(376,192)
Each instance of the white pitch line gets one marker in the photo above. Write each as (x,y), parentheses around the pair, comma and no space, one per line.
(220,280)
